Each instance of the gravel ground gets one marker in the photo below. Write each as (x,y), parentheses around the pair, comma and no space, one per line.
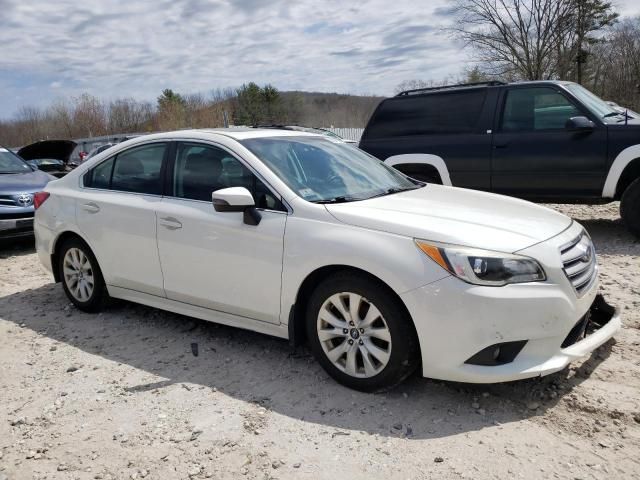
(121,395)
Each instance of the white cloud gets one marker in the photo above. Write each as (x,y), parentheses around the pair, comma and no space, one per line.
(137,48)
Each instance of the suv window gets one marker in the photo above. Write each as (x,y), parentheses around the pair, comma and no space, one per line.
(202,169)
(135,170)
(539,108)
(434,113)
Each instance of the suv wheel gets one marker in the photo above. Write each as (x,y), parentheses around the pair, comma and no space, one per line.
(630,207)
(360,333)
(81,276)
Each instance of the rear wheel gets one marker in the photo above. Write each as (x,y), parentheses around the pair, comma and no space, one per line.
(360,333)
(630,207)
(81,276)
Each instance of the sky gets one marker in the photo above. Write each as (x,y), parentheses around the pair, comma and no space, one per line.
(57,49)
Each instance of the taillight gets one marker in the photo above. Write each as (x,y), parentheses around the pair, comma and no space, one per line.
(39,198)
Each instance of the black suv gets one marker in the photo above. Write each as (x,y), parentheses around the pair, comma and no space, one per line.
(546,141)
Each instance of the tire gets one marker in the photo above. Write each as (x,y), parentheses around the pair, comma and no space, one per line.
(76,281)
(630,207)
(369,362)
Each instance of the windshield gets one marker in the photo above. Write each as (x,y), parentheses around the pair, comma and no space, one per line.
(11,163)
(592,101)
(323,170)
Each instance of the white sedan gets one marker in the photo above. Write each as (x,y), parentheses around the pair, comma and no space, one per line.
(302,237)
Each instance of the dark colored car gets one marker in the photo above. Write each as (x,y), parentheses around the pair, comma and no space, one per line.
(547,141)
(51,156)
(19,183)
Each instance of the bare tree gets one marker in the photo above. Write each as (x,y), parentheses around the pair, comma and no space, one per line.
(515,37)
(616,65)
(128,115)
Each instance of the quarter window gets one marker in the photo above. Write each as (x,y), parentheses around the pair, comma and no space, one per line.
(429,114)
(200,170)
(527,109)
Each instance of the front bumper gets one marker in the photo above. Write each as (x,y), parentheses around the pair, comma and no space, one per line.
(455,321)
(16,227)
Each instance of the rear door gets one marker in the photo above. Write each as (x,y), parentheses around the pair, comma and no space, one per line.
(536,157)
(450,124)
(116,212)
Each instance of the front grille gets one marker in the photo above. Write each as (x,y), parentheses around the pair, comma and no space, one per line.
(8,201)
(16,216)
(579,261)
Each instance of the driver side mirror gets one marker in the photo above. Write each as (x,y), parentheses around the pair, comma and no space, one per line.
(579,124)
(237,199)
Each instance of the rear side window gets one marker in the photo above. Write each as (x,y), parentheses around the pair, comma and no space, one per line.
(441,113)
(138,170)
(540,108)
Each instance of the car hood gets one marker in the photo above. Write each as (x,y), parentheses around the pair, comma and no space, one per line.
(58,149)
(457,216)
(24,182)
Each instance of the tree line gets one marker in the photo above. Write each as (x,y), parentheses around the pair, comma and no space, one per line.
(251,104)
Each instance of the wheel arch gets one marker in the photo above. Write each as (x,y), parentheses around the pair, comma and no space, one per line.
(416,162)
(296,324)
(623,165)
(628,175)
(55,250)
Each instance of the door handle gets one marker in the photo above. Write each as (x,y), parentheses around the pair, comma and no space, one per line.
(170,223)
(91,207)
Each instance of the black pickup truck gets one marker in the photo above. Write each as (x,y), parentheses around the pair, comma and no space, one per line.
(545,141)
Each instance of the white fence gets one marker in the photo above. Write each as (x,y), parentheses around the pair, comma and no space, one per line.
(348,133)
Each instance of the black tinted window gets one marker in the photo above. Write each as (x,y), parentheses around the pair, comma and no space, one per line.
(99,176)
(450,112)
(540,108)
(138,170)
(200,170)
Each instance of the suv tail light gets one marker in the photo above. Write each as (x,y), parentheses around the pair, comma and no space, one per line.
(39,198)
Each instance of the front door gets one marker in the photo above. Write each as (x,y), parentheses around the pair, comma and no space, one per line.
(213,259)
(535,156)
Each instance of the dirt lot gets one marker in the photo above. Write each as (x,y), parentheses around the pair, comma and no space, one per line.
(121,395)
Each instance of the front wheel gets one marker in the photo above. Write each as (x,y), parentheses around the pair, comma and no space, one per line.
(81,276)
(630,207)
(360,333)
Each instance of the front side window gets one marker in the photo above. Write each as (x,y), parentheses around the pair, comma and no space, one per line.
(323,170)
(540,108)
(137,170)
(201,169)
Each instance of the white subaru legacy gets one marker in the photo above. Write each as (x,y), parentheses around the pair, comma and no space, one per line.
(305,237)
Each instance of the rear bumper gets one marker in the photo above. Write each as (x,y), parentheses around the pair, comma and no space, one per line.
(455,321)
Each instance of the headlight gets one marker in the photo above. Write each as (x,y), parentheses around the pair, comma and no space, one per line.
(483,267)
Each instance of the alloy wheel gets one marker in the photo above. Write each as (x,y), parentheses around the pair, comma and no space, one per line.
(354,335)
(78,274)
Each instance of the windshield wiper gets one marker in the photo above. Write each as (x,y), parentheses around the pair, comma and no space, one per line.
(340,199)
(391,190)
(613,114)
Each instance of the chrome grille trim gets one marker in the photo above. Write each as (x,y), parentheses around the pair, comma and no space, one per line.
(579,263)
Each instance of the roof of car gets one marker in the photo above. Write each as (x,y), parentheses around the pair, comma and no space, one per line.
(474,85)
(237,133)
